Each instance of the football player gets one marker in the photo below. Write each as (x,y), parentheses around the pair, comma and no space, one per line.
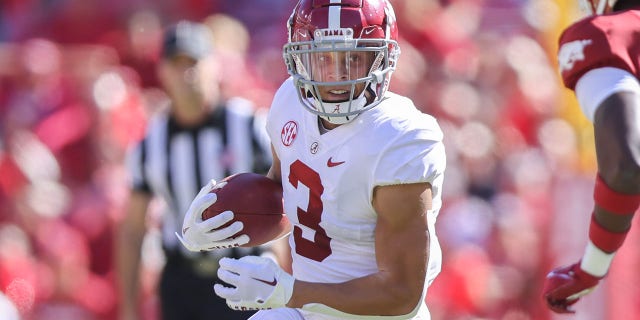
(599,58)
(361,169)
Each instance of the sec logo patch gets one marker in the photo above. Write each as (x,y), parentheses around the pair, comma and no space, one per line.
(289,133)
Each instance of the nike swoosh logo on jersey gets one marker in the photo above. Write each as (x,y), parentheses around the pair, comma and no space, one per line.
(330,163)
(272,283)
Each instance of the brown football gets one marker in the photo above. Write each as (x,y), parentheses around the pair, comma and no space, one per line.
(256,201)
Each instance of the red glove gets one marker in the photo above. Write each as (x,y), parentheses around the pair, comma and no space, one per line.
(565,286)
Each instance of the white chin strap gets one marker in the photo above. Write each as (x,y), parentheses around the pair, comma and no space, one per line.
(340,107)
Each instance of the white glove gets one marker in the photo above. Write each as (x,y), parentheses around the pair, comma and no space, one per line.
(259,283)
(201,235)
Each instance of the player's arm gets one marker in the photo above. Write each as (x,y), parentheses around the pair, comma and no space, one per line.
(402,242)
(274,172)
(610,97)
(617,193)
(130,234)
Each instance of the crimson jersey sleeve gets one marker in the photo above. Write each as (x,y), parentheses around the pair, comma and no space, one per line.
(600,41)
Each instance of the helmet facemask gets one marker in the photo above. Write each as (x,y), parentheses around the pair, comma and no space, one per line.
(338,76)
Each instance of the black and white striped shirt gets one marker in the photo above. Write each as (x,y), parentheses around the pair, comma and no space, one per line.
(174,162)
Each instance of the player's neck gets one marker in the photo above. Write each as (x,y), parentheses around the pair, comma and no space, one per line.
(326,126)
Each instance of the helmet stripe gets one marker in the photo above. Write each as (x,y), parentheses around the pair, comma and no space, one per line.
(334,15)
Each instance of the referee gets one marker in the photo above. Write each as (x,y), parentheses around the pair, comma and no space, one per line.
(198,137)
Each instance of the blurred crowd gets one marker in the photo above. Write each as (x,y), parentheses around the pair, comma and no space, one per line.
(77,84)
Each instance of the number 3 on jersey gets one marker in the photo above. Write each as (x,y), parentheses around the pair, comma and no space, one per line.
(319,248)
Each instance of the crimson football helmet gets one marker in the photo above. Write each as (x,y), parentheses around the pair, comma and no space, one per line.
(341,54)
(592,7)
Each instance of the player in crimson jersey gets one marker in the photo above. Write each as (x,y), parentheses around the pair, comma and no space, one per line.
(599,59)
(361,170)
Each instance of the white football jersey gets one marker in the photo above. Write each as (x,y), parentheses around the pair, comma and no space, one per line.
(328,180)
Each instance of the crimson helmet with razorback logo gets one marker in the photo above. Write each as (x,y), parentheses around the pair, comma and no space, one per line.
(345,28)
(592,7)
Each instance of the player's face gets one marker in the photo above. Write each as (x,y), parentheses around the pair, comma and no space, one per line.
(340,66)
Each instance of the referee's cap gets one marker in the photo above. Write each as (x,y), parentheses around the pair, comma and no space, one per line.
(188,38)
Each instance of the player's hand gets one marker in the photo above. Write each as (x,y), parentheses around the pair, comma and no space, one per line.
(258,283)
(200,235)
(565,286)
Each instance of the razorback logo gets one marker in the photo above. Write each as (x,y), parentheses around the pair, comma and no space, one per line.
(570,53)
(289,133)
